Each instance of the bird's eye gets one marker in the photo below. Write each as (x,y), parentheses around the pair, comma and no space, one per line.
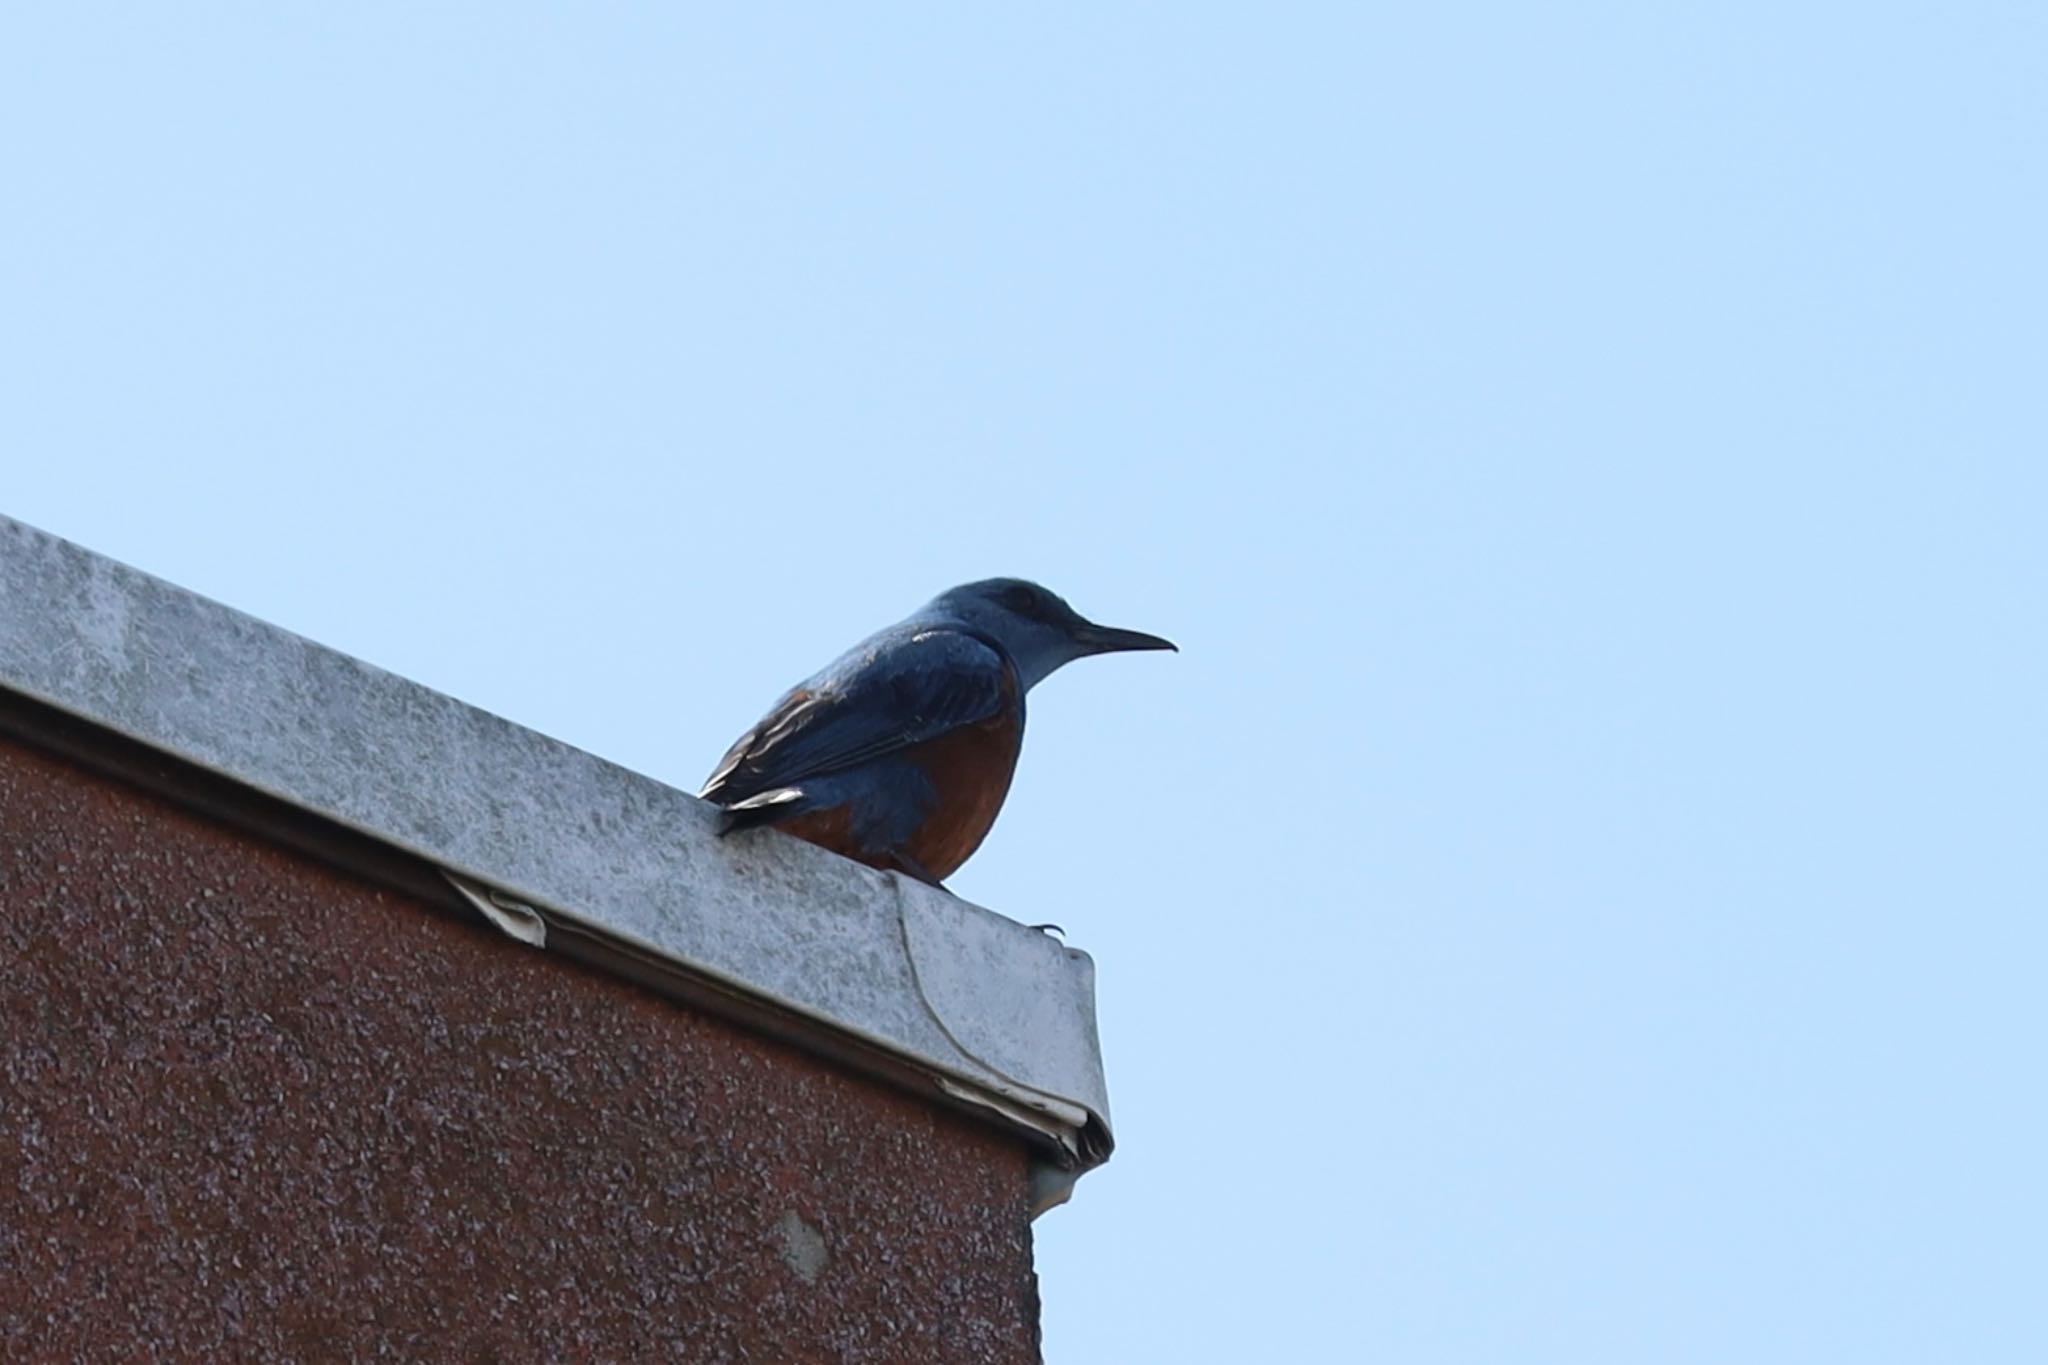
(1024,601)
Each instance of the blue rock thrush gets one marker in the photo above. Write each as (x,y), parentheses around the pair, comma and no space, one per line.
(899,754)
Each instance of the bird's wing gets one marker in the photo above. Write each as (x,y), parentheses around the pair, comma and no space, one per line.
(905,692)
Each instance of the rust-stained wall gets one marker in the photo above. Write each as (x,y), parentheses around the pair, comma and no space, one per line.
(251,1107)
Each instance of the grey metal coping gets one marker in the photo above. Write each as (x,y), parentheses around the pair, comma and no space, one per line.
(543,837)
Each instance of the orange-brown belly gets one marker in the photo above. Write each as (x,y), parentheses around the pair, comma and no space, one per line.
(830,829)
(970,770)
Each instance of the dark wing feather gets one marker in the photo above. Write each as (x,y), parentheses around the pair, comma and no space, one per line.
(905,692)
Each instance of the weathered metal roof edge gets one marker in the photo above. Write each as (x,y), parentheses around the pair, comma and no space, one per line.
(982,1001)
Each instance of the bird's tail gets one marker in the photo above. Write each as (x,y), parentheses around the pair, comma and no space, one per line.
(764,809)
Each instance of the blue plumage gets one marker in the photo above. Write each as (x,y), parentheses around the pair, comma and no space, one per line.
(899,752)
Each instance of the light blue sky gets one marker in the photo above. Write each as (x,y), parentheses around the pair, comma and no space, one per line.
(1579,895)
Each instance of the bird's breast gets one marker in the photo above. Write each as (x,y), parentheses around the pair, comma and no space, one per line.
(970,770)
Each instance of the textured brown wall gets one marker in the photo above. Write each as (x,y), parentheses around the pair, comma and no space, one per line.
(254,1108)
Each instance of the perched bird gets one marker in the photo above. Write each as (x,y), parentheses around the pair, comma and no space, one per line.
(899,753)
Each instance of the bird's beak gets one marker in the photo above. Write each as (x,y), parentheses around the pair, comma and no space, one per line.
(1110,640)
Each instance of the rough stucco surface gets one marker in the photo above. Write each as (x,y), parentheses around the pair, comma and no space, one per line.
(252,1108)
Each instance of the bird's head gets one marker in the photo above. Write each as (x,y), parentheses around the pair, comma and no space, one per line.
(1034,626)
